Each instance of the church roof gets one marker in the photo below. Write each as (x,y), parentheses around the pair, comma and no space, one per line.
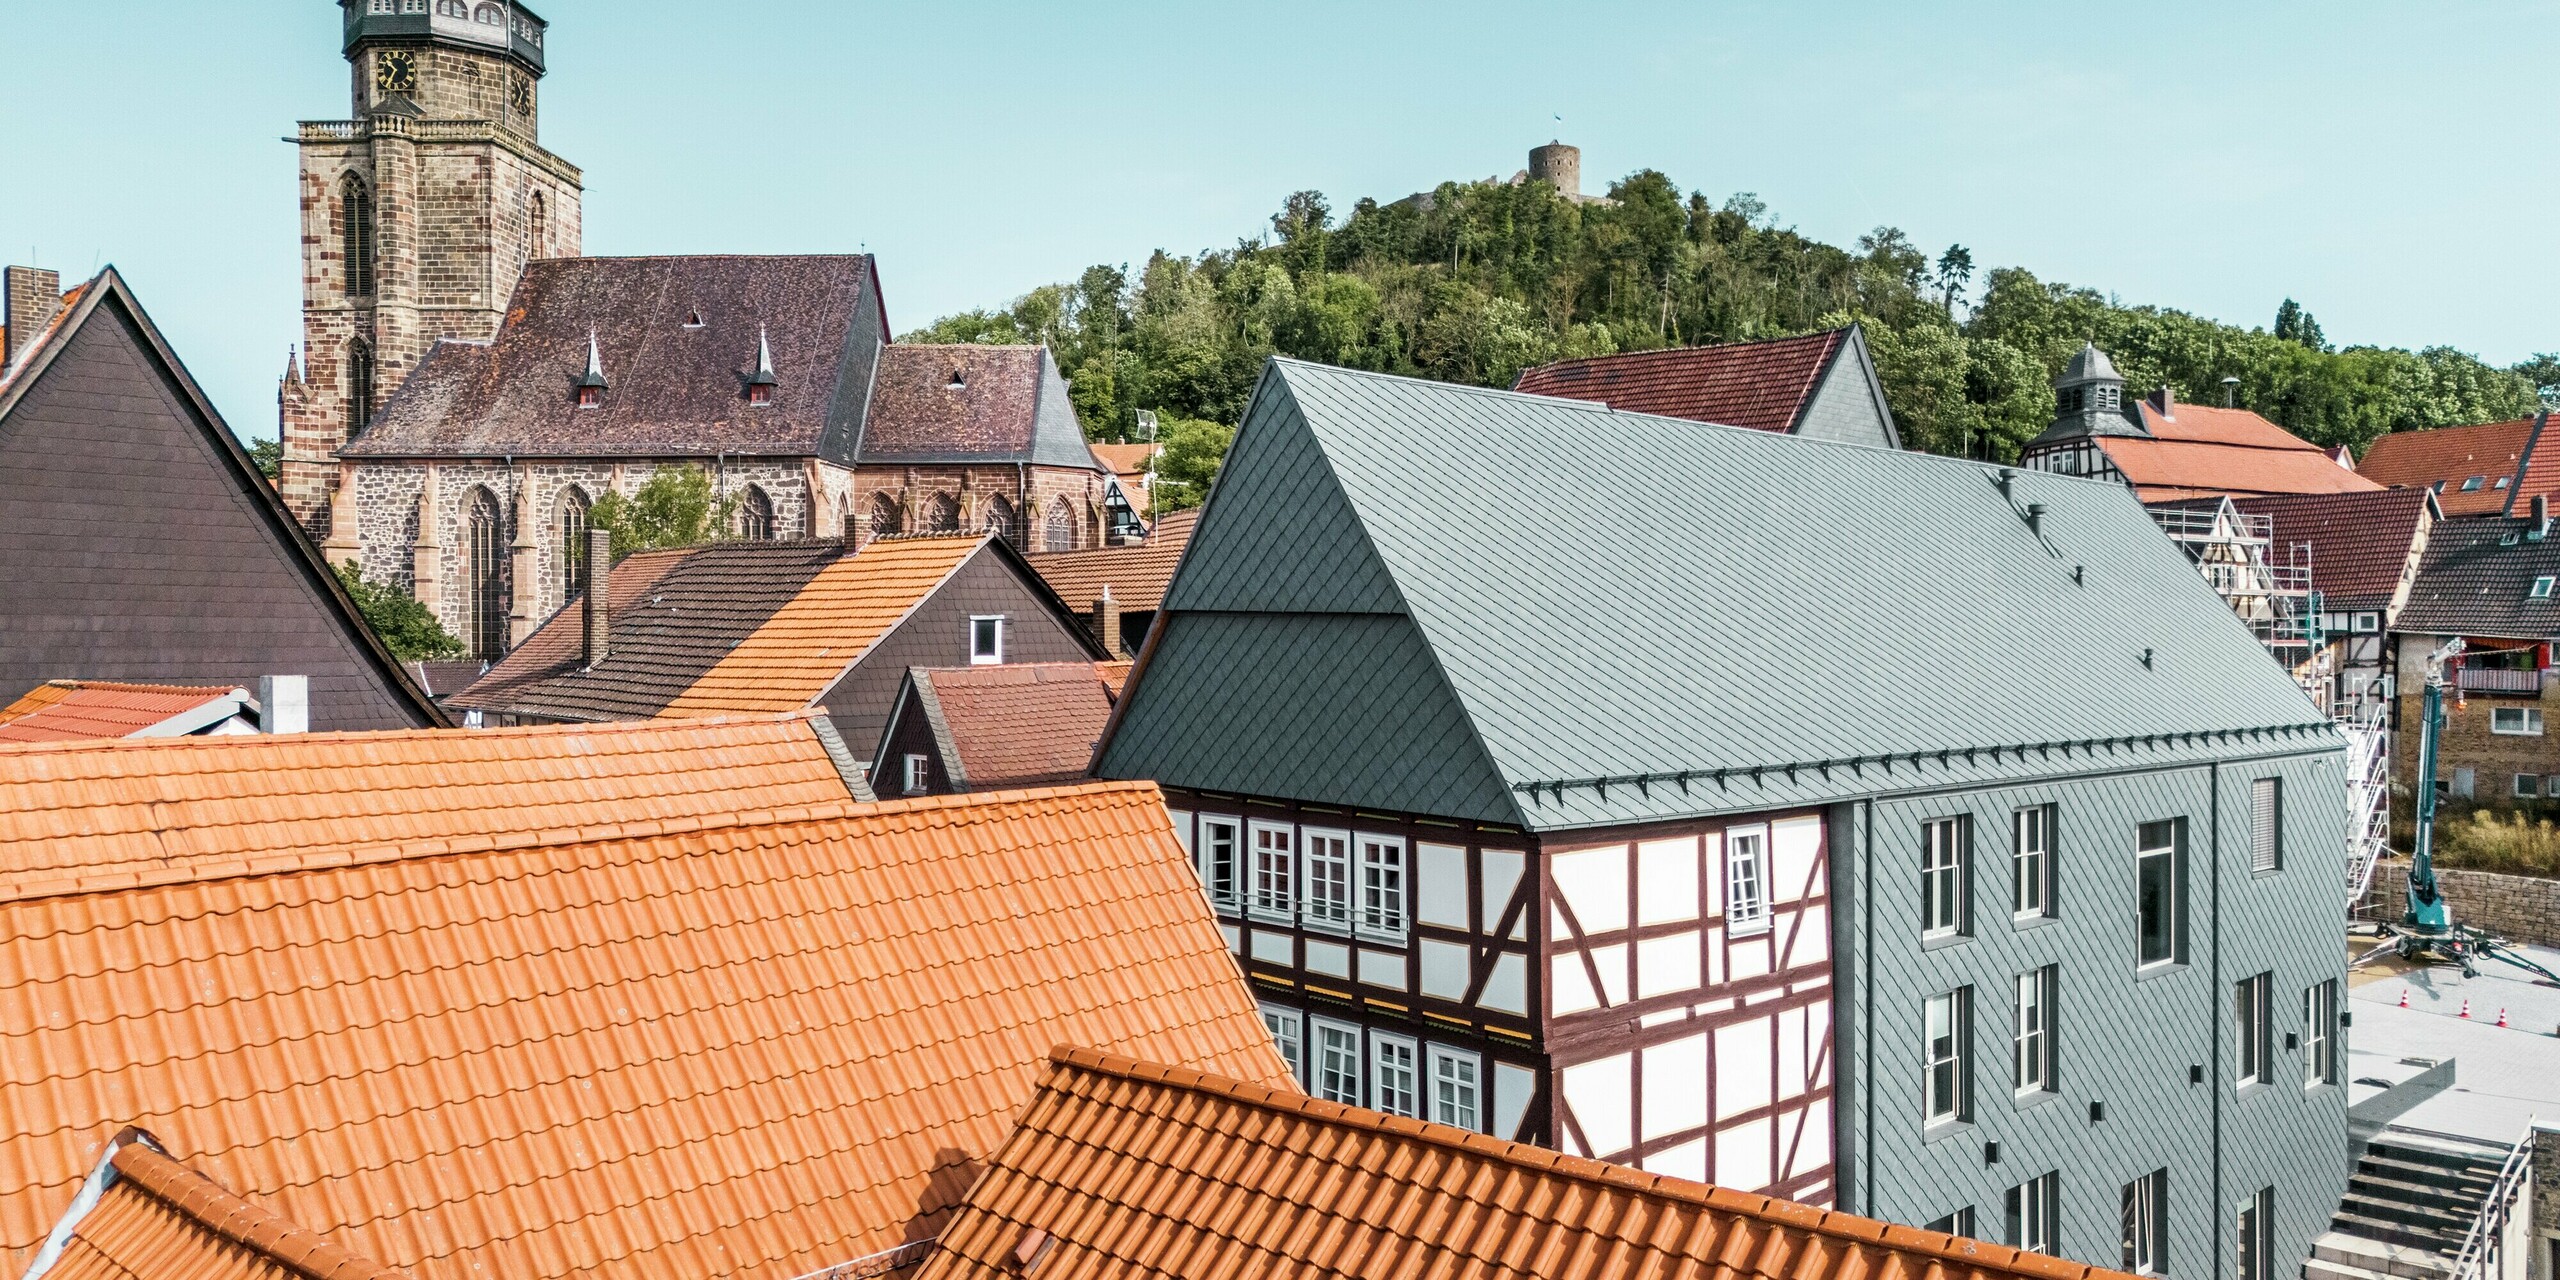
(960,402)
(1762,385)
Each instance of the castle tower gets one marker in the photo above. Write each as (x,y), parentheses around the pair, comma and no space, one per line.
(1560,166)
(417,214)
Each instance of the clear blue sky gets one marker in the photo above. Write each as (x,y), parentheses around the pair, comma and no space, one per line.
(2386,164)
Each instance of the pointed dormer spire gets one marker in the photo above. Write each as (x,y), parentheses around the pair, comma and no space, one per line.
(292,365)
(764,362)
(594,376)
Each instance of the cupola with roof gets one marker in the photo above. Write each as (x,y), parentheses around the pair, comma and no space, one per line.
(2090,386)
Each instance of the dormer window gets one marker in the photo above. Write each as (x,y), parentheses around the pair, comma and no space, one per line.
(958,381)
(761,383)
(759,394)
(591,384)
(693,319)
(590,397)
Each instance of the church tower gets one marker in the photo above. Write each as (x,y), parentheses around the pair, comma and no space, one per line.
(417,215)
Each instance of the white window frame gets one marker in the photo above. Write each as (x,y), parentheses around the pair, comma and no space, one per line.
(2143,854)
(1950,1106)
(2528,721)
(2253,1031)
(1230,894)
(2367,623)
(2033,1209)
(986,657)
(1271,888)
(2144,1216)
(1382,890)
(1746,881)
(1319,1045)
(2031,1041)
(1383,1048)
(915,774)
(2541,588)
(1445,1080)
(1288,1029)
(2320,1034)
(2253,1235)
(1945,849)
(1325,878)
(2266,826)
(2031,862)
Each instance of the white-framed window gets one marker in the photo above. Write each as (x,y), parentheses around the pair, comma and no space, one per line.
(1943,848)
(1945,1074)
(1746,881)
(2145,1213)
(2254,1237)
(2516,720)
(2320,1034)
(917,774)
(1393,1084)
(1221,843)
(1287,1034)
(2156,905)
(1335,1066)
(2266,825)
(2541,588)
(1457,1088)
(2031,863)
(1958,1223)
(2252,1029)
(1382,888)
(2034,1213)
(2528,786)
(986,640)
(2368,623)
(1274,870)
(2031,1044)
(1328,877)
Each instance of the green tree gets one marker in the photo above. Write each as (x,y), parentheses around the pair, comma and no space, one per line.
(673,508)
(406,628)
(1955,270)
(1193,450)
(269,457)
(2293,324)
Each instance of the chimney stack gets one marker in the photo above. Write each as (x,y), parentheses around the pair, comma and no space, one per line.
(1106,623)
(2542,513)
(32,299)
(599,606)
(284,704)
(2166,402)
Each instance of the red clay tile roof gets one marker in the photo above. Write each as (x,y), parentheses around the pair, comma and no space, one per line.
(157,1217)
(2449,456)
(1009,404)
(1762,385)
(2205,452)
(68,710)
(2360,542)
(1136,575)
(1127,461)
(705,1046)
(1115,674)
(94,815)
(1133,1169)
(1020,724)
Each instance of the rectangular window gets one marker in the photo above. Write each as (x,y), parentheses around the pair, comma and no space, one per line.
(1328,879)
(2034,1213)
(1958,1223)
(2031,1052)
(2266,825)
(1285,1032)
(1946,1075)
(919,777)
(2472,484)
(2031,862)
(1274,889)
(1219,840)
(1391,1080)
(2320,1034)
(2368,623)
(986,641)
(1382,907)
(2528,786)
(2255,1237)
(2145,1210)
(2541,588)
(1943,848)
(1746,881)
(1336,1066)
(2251,1026)
(1456,1088)
(2157,892)
(2526,721)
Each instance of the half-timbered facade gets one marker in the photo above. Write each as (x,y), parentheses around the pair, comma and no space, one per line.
(1757,841)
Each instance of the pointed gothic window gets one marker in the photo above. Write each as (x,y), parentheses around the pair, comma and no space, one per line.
(755,516)
(884,514)
(945,517)
(572,523)
(359,386)
(355,219)
(1059,534)
(484,597)
(999,518)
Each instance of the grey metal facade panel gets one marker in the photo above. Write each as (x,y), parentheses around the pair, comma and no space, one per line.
(1057,437)
(1278,535)
(1336,709)
(1845,407)
(2124,1039)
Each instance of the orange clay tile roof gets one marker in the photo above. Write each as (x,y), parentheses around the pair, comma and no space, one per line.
(1136,575)
(2210,452)
(1762,385)
(157,1217)
(702,1047)
(806,645)
(1115,675)
(2493,451)
(1126,460)
(1021,724)
(99,814)
(67,710)
(1134,1169)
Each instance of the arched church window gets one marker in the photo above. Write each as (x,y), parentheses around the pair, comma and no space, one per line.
(490,15)
(572,523)
(945,516)
(453,8)
(999,517)
(1059,532)
(359,386)
(884,515)
(484,596)
(755,516)
(355,217)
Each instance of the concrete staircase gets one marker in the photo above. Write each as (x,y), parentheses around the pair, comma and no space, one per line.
(2410,1202)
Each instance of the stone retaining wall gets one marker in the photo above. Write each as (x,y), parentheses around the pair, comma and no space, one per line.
(2519,908)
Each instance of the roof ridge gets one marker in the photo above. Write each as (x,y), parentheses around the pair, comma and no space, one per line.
(241,1221)
(1831,1223)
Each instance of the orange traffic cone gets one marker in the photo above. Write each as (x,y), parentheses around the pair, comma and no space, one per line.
(2466,1007)
(2502,1017)
(2404,997)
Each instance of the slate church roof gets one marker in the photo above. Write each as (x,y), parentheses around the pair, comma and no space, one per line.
(1761,625)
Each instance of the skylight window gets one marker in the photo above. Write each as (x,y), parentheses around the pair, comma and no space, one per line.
(2499,483)
(2473,483)
(693,319)
(2541,588)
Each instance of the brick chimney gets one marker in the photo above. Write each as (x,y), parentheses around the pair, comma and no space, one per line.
(1106,623)
(599,607)
(2165,402)
(32,298)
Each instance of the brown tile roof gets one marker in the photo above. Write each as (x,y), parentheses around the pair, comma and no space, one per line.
(66,710)
(2360,542)
(2205,451)
(1762,385)
(1021,724)
(806,644)
(1135,1169)
(704,1046)
(2449,456)
(1137,575)
(969,403)
(157,1217)
(1127,461)
(674,389)
(100,814)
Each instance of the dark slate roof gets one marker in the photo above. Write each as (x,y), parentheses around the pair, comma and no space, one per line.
(969,403)
(138,542)
(1762,385)
(2360,542)
(1758,627)
(2086,365)
(2477,580)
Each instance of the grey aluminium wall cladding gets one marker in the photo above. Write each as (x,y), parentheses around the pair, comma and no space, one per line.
(2125,1039)
(1846,407)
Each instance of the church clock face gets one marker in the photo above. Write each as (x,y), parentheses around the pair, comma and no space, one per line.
(396,71)
(521,95)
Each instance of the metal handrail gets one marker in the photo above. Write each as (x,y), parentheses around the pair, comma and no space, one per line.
(2513,1177)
